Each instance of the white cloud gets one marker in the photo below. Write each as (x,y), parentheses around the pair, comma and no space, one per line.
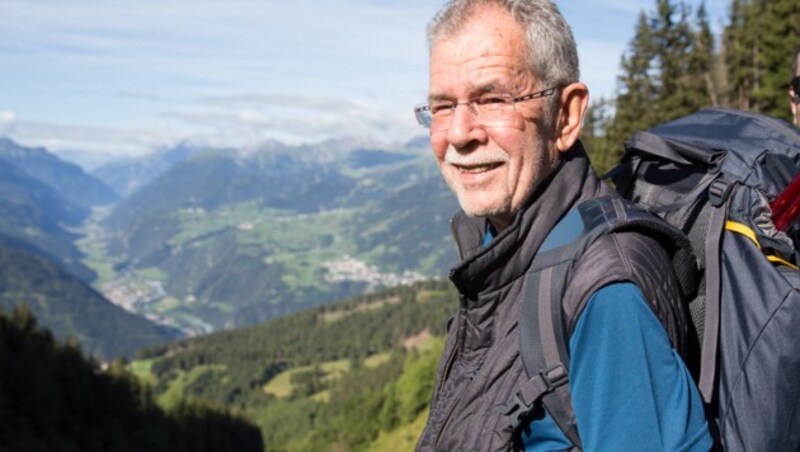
(7,118)
(246,119)
(625,6)
(103,140)
(120,77)
(117,66)
(283,100)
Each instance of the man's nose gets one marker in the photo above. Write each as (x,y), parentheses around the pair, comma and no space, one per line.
(464,127)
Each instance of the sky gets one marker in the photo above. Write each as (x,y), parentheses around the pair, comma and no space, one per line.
(118,78)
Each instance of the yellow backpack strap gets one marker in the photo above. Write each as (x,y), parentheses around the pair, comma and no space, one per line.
(746,231)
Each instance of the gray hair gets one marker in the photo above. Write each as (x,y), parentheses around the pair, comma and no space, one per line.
(552,53)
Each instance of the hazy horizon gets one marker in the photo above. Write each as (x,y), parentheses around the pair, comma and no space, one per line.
(129,78)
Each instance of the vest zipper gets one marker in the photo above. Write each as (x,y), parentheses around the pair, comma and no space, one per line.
(455,239)
(451,359)
(448,368)
(448,418)
(446,424)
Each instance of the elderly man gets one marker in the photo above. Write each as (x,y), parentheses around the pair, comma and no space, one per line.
(504,110)
(794,89)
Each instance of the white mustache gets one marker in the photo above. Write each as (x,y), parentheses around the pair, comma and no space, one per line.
(477,158)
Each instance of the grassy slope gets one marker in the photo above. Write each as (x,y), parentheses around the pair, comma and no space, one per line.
(401,439)
(394,384)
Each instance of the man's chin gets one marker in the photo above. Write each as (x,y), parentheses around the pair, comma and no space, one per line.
(485,210)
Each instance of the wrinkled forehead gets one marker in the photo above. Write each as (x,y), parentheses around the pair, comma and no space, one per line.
(485,51)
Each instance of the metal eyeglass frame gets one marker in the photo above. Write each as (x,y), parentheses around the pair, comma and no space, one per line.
(425,117)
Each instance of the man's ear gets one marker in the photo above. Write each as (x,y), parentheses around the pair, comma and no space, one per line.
(574,102)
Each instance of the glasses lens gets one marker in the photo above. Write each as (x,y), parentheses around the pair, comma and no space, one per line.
(423,115)
(487,111)
(494,110)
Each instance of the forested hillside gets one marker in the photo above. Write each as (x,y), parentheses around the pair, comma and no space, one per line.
(53,399)
(343,375)
(70,308)
(675,65)
(42,200)
(68,179)
(36,218)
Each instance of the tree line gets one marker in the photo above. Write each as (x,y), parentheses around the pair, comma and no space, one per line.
(54,399)
(231,368)
(674,65)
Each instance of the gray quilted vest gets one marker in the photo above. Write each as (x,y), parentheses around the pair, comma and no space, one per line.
(482,395)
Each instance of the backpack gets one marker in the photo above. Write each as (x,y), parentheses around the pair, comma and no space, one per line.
(543,324)
(712,175)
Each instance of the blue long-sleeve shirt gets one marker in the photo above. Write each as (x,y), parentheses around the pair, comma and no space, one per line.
(630,389)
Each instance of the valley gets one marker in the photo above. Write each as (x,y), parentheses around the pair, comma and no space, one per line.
(194,240)
(197,249)
(314,251)
(216,277)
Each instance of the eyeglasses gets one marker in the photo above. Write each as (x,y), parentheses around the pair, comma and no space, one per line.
(489,109)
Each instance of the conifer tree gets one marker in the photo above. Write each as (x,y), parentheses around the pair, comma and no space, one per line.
(781,37)
(637,98)
(669,71)
(738,44)
(673,42)
(594,137)
(701,77)
(760,41)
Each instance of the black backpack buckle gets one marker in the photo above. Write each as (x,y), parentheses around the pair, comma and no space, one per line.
(523,401)
(718,191)
(554,377)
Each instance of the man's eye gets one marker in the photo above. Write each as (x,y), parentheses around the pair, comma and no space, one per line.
(442,109)
(492,100)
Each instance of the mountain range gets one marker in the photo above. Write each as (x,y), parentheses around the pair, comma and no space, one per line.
(230,237)
(223,239)
(43,204)
(202,239)
(69,308)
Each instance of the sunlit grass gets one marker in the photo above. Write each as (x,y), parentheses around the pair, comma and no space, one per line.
(175,392)
(281,385)
(401,439)
(374,361)
(141,370)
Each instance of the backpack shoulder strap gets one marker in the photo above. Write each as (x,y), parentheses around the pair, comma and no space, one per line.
(542,326)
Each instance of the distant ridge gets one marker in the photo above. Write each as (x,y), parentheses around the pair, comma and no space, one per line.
(70,308)
(42,200)
(234,237)
(128,175)
(65,178)
(35,217)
